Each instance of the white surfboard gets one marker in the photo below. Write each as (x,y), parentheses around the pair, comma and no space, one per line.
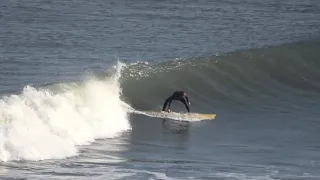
(179,116)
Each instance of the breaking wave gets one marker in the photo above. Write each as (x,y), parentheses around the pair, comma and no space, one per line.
(49,122)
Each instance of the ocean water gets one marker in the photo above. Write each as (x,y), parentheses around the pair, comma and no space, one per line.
(74,74)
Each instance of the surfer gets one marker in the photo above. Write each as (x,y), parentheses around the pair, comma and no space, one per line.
(179,96)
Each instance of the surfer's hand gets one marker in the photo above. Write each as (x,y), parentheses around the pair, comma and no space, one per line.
(189,103)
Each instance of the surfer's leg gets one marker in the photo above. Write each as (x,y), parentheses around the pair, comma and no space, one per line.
(166,103)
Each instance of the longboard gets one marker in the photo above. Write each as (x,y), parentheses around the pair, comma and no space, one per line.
(179,116)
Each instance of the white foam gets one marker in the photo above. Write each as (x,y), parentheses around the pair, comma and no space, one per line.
(39,124)
(238,176)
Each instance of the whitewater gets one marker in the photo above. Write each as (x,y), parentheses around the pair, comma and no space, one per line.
(41,124)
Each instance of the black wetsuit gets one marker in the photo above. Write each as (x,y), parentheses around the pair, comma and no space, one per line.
(177,95)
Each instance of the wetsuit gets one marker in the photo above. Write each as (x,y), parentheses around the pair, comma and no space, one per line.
(177,95)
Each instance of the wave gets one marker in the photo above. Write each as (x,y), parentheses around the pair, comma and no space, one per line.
(271,76)
(49,122)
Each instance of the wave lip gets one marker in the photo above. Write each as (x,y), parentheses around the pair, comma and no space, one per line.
(41,124)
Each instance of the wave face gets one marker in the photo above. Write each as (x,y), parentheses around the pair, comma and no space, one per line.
(49,122)
(282,77)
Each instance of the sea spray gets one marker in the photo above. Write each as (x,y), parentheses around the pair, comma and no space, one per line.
(41,124)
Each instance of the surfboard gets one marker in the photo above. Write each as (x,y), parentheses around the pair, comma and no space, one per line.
(180,116)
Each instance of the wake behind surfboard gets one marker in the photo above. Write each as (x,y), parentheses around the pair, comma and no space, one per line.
(179,116)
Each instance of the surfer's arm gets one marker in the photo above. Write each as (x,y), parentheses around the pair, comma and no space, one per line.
(186,103)
(188,108)
(187,100)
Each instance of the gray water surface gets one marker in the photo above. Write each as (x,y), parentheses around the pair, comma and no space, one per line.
(44,42)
